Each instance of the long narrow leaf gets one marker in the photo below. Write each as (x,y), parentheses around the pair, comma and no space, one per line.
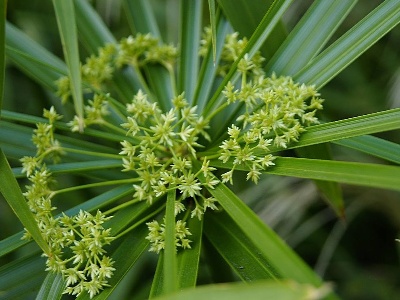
(286,263)
(3,10)
(374,146)
(31,58)
(253,12)
(351,45)
(188,260)
(213,22)
(10,190)
(191,12)
(65,14)
(208,68)
(236,248)
(367,124)
(262,290)
(16,282)
(311,33)
(11,243)
(52,287)
(331,190)
(170,265)
(141,17)
(371,175)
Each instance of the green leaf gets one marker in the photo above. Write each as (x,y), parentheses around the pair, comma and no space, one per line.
(22,276)
(309,36)
(286,263)
(331,190)
(188,259)
(235,247)
(65,13)
(52,287)
(361,125)
(208,68)
(374,146)
(245,16)
(11,243)
(191,12)
(42,66)
(170,265)
(351,45)
(286,290)
(3,11)
(141,17)
(93,32)
(370,175)
(213,21)
(10,190)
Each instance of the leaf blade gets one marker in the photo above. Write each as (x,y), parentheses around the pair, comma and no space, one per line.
(282,258)
(308,37)
(65,14)
(364,174)
(351,45)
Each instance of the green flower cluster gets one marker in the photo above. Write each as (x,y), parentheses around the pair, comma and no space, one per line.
(277,110)
(161,148)
(157,236)
(231,50)
(76,243)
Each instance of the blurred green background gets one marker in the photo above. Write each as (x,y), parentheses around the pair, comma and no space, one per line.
(359,255)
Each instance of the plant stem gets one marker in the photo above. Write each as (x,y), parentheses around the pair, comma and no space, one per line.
(91,153)
(96,184)
(154,213)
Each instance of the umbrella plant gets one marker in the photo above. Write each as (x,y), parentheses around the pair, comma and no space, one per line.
(148,141)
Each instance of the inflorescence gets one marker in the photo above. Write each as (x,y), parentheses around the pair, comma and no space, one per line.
(160,148)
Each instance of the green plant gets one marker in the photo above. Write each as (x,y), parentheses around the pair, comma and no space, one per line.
(168,129)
